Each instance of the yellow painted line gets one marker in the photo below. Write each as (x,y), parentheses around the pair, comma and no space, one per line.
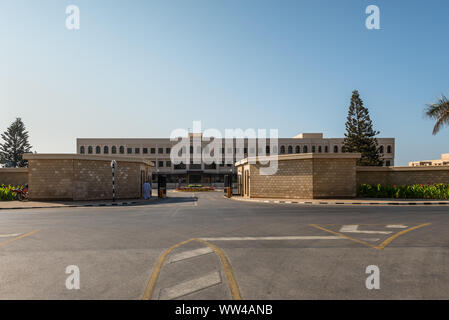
(387,242)
(235,292)
(233,286)
(344,236)
(157,270)
(379,247)
(18,238)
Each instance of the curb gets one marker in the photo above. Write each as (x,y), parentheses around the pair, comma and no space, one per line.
(117,204)
(348,203)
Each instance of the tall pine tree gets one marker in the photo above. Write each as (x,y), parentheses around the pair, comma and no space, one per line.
(15,144)
(360,135)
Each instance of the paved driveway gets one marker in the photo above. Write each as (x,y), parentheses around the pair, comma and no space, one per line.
(202,246)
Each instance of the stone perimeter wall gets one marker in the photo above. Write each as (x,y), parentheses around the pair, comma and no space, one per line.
(334,178)
(292,180)
(402,175)
(313,178)
(13,176)
(74,179)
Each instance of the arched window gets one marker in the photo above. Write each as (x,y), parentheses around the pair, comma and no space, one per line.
(343,149)
(122,149)
(98,150)
(304,149)
(313,149)
(89,150)
(290,149)
(326,149)
(82,150)
(114,149)
(335,149)
(298,149)
(381,149)
(106,150)
(320,149)
(267,149)
(389,149)
(282,149)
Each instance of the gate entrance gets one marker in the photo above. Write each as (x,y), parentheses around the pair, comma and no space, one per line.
(194,178)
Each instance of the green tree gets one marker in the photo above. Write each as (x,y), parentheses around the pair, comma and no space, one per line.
(15,144)
(360,135)
(440,112)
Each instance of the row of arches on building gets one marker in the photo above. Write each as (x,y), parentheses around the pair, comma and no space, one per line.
(90,150)
(283,149)
(120,150)
(320,149)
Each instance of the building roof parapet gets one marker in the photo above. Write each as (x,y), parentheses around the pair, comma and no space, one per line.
(73,156)
(301,156)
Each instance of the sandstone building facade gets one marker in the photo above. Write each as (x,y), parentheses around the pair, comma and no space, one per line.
(444,161)
(158,151)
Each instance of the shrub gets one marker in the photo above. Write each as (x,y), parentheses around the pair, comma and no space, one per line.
(416,191)
(195,188)
(7,193)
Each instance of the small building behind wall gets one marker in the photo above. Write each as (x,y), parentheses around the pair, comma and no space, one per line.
(85,177)
(300,176)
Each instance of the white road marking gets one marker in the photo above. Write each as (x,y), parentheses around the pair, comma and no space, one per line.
(190,286)
(195,202)
(189,254)
(398,226)
(10,235)
(353,228)
(274,238)
(370,239)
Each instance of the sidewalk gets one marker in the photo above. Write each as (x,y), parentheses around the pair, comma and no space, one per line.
(355,201)
(11,205)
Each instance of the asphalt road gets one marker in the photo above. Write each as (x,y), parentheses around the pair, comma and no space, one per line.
(249,251)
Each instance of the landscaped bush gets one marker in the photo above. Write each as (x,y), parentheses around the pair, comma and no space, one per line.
(7,193)
(416,191)
(195,188)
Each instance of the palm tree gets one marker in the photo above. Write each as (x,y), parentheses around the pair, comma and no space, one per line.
(440,112)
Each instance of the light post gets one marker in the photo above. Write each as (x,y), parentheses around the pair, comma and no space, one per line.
(113,166)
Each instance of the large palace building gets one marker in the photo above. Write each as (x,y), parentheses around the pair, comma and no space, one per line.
(158,151)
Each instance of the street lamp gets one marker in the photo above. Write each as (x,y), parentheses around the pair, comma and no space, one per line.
(113,167)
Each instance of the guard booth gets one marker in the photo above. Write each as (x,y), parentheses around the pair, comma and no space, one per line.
(228,185)
(162,186)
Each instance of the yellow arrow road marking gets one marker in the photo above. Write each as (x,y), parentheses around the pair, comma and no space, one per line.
(232,283)
(387,242)
(379,247)
(19,237)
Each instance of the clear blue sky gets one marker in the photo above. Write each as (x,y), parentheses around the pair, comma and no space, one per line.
(143,68)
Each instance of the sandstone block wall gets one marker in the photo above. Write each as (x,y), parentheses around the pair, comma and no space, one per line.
(403,175)
(305,176)
(334,178)
(85,179)
(13,176)
(294,179)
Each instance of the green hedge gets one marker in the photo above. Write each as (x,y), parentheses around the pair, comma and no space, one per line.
(416,191)
(7,193)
